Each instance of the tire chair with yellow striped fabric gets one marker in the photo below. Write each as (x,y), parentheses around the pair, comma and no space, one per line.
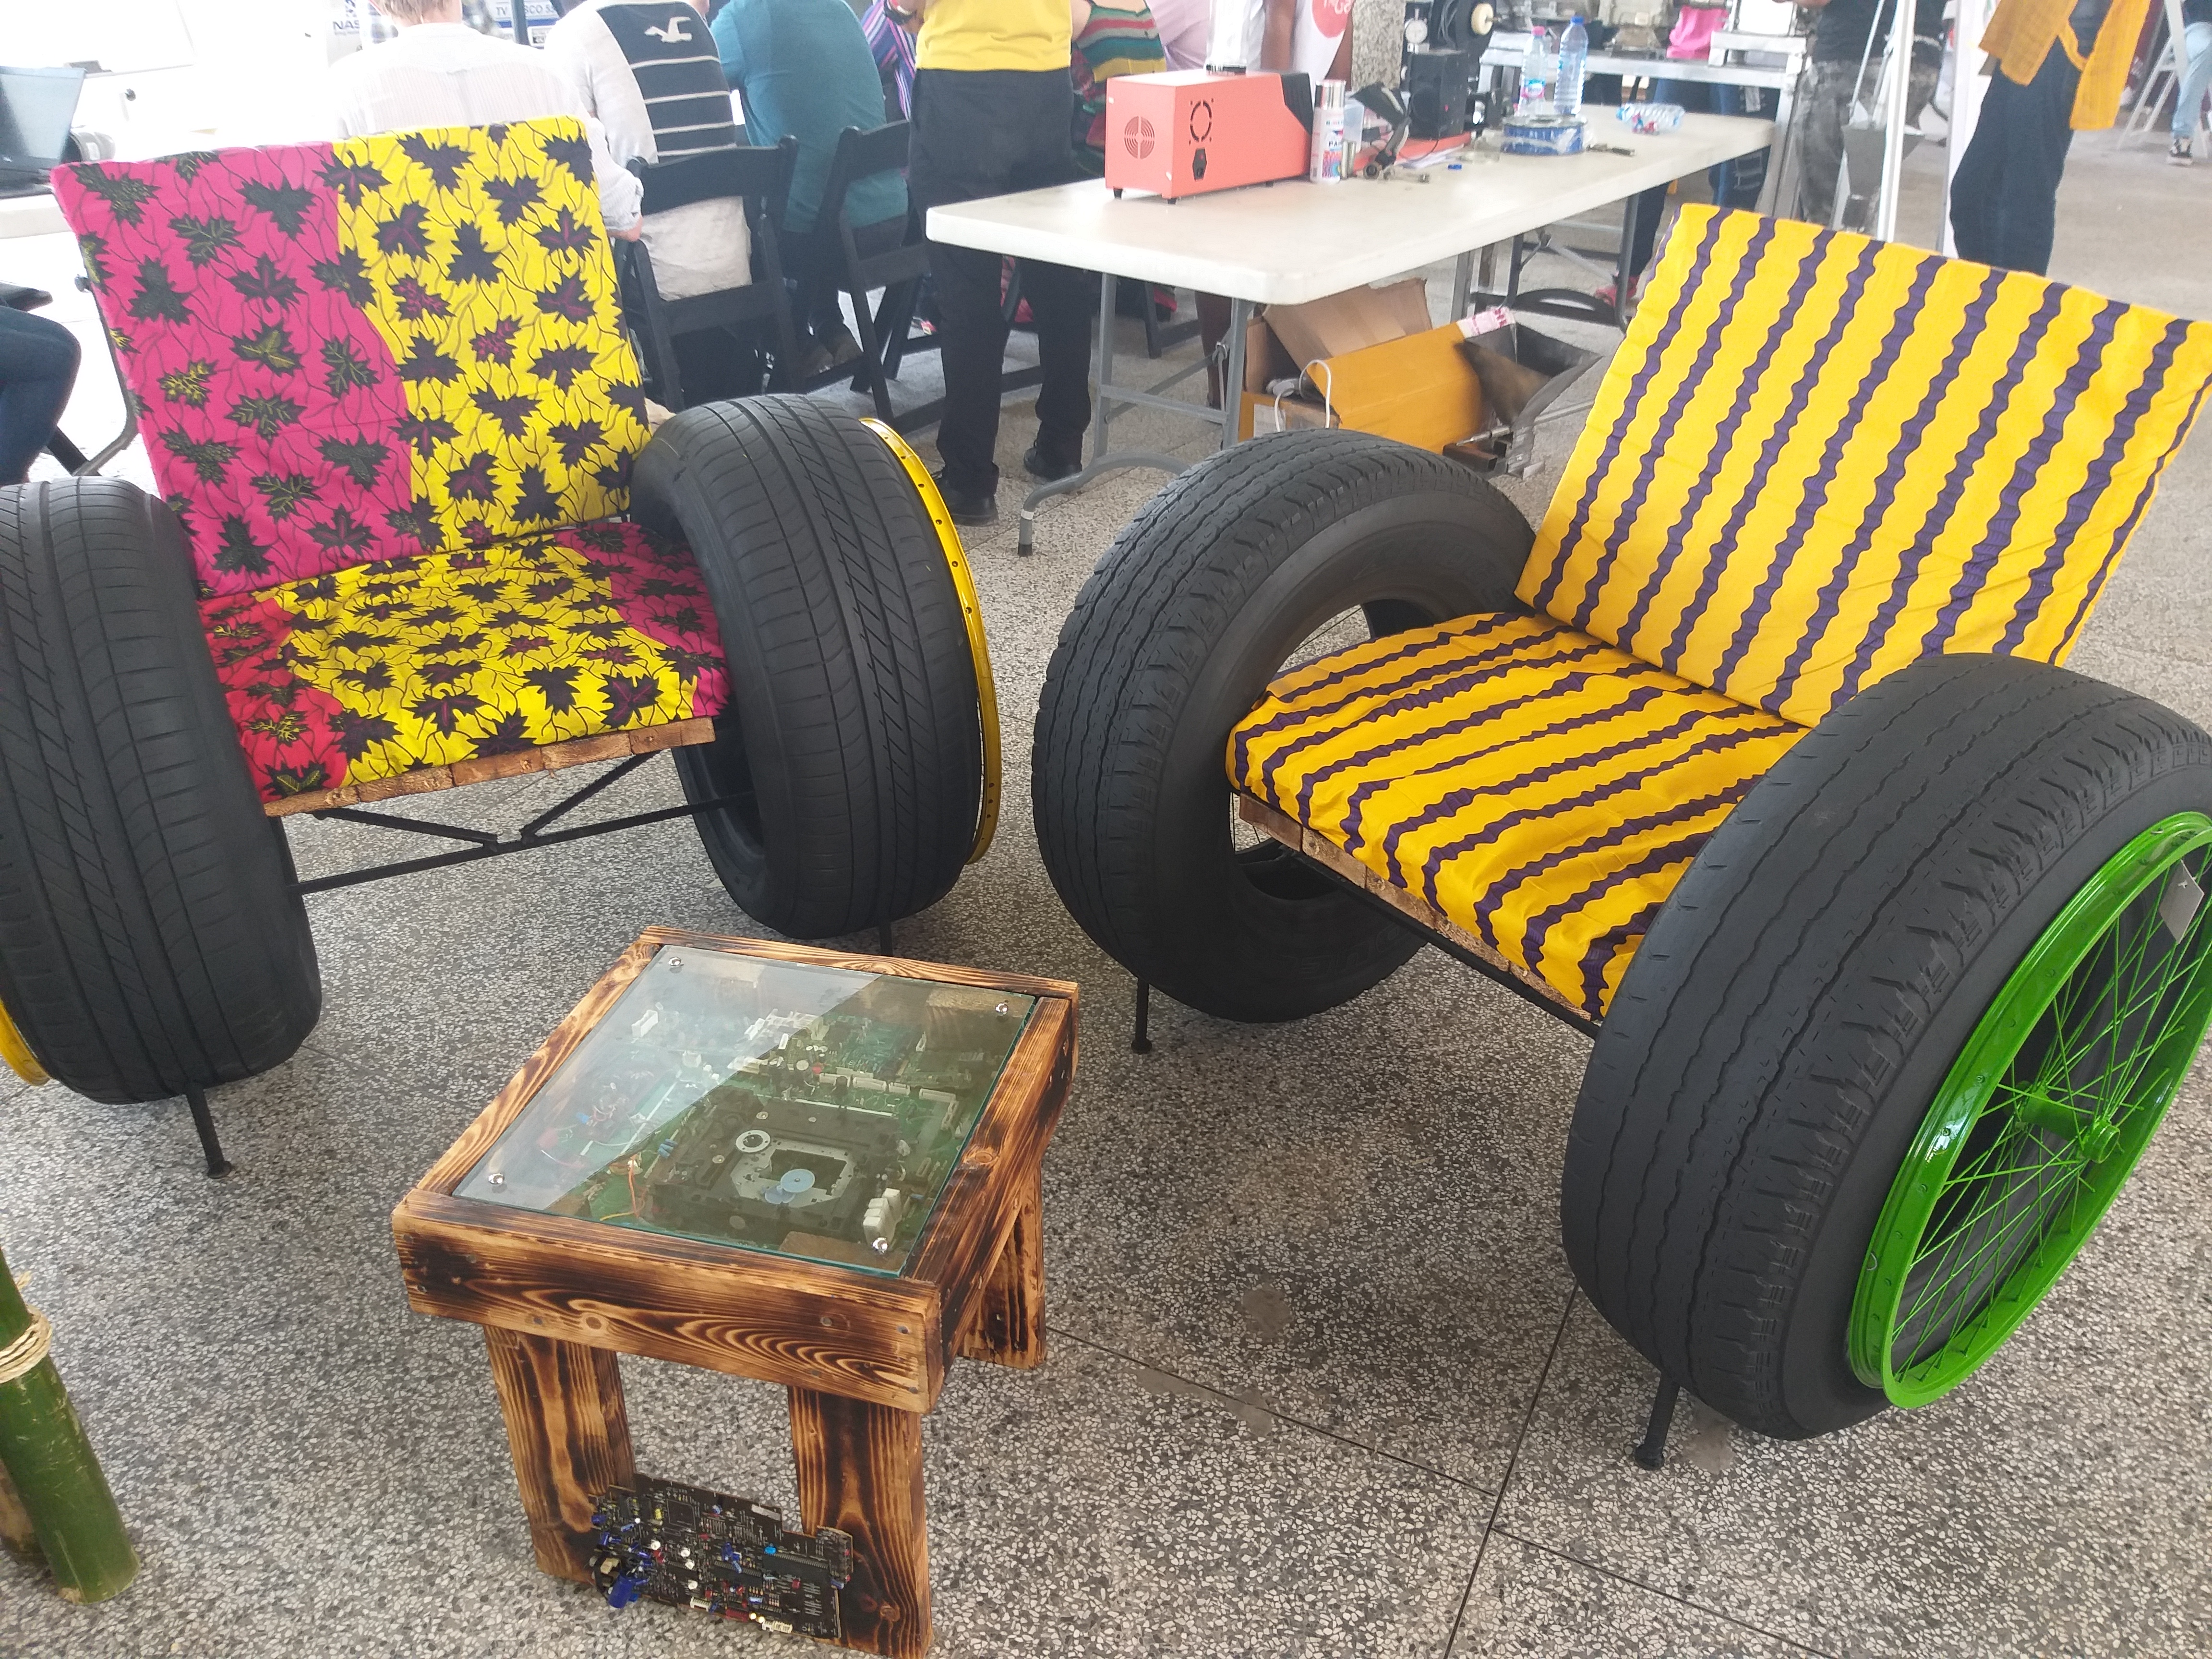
(414,533)
(1754,763)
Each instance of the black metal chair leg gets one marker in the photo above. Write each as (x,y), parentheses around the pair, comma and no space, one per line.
(1652,1453)
(1141,1043)
(217,1164)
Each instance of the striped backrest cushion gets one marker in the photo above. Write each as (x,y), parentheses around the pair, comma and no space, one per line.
(1818,457)
(365,351)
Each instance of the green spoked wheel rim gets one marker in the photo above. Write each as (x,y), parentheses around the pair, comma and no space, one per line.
(2041,1118)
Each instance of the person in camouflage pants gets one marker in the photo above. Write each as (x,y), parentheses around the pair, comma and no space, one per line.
(1839,46)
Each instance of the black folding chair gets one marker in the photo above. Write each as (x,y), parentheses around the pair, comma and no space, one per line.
(760,177)
(886,335)
(58,446)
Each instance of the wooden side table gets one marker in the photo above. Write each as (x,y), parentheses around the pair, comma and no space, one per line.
(808,1168)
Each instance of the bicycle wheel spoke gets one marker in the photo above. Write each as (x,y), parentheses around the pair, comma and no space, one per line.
(2035,1210)
(2108,1005)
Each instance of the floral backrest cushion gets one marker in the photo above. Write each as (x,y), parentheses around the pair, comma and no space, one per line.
(367,349)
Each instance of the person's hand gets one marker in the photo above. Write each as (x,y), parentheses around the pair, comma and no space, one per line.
(906,13)
(634,233)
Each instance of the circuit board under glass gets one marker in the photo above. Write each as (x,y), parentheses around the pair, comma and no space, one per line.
(662,1542)
(815,1112)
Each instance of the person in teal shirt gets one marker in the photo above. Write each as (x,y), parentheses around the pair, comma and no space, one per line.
(804,71)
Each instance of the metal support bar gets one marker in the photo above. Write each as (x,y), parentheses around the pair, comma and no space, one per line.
(1141,1042)
(1233,372)
(886,938)
(1651,1451)
(536,827)
(1110,398)
(497,848)
(1025,537)
(1128,398)
(1468,958)
(1108,286)
(204,1121)
(416,826)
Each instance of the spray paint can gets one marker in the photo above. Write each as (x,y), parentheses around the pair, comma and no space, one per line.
(1326,166)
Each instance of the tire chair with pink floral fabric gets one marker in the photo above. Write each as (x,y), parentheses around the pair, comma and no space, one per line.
(414,534)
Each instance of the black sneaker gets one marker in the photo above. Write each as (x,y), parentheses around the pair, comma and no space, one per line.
(2179,153)
(1040,463)
(968,507)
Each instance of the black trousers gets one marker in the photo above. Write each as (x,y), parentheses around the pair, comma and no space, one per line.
(2004,198)
(985,132)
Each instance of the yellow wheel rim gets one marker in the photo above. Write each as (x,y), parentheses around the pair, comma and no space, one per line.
(971,608)
(17,1053)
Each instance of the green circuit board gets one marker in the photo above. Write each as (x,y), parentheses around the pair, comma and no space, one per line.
(815,1112)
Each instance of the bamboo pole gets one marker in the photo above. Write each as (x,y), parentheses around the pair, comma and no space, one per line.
(17,1536)
(56,1478)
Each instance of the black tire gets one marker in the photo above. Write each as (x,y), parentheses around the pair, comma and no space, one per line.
(854,750)
(1781,1034)
(150,937)
(1191,612)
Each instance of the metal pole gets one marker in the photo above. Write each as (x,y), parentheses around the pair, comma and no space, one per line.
(1107,286)
(1897,90)
(1233,372)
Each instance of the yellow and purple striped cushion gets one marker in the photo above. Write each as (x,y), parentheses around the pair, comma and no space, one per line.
(1818,457)
(1543,790)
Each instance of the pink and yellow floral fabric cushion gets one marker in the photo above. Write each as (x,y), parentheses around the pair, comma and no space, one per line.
(387,668)
(366,351)
(374,376)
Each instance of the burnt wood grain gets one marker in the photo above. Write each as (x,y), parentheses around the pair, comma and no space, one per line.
(743,1312)
(1006,1325)
(551,757)
(995,1173)
(863,1354)
(1281,827)
(570,1433)
(859,1470)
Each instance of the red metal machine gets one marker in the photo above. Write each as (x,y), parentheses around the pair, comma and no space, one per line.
(1188,131)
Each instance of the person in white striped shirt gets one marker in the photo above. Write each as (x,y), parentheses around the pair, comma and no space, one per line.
(442,73)
(650,73)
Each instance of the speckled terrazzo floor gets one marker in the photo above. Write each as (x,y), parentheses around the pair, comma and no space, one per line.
(1318,1383)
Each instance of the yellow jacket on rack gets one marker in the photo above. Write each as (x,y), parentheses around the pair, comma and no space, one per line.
(2022,33)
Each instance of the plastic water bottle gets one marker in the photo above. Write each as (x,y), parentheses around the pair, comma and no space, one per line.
(1574,53)
(1540,73)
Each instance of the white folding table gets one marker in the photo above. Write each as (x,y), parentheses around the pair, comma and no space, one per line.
(1288,243)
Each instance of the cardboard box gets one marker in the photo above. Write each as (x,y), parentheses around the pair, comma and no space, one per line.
(1183,133)
(1421,389)
(1350,321)
(1370,361)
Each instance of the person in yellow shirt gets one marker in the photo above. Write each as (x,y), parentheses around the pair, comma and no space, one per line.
(2058,67)
(993,108)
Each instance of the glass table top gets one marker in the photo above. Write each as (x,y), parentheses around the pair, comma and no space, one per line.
(814,1113)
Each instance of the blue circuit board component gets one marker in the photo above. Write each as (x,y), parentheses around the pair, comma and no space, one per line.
(663,1542)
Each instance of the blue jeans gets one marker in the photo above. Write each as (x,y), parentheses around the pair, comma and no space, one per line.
(37,366)
(2198,38)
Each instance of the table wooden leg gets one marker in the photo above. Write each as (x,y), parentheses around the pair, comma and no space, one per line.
(570,1433)
(1007,1326)
(859,1470)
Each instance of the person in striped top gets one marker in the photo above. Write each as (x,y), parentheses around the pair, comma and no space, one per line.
(649,73)
(1111,38)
